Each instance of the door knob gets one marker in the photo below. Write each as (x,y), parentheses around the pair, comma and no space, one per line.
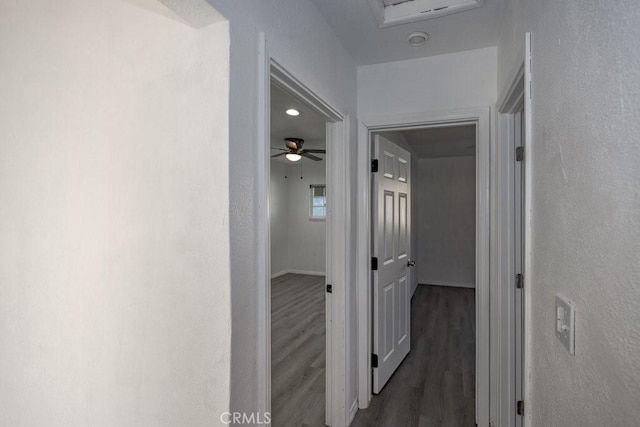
(411,263)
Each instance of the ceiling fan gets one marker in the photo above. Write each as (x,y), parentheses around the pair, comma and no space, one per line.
(295,152)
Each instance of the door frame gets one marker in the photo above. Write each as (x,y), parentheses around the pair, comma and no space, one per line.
(337,222)
(481,117)
(503,316)
(515,94)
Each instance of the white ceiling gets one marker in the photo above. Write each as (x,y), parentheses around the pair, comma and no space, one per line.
(449,141)
(309,125)
(355,25)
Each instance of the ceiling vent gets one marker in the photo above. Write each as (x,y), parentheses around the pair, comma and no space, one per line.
(396,12)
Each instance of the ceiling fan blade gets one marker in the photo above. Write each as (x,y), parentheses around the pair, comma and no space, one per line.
(280,154)
(314,151)
(310,156)
(281,149)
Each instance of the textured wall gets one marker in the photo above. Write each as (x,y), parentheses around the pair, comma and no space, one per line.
(446,221)
(586,206)
(114,256)
(301,41)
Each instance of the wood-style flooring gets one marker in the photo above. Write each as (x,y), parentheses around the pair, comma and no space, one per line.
(435,384)
(297,351)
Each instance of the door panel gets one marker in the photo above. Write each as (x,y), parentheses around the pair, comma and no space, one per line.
(388,170)
(403,292)
(402,170)
(389,306)
(391,245)
(403,237)
(389,226)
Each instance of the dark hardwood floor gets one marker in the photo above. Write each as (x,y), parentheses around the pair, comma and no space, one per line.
(297,351)
(435,384)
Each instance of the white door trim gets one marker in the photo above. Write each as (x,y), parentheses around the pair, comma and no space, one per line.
(503,409)
(481,116)
(528,229)
(516,94)
(337,223)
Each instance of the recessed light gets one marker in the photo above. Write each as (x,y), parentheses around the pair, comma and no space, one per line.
(292,112)
(418,38)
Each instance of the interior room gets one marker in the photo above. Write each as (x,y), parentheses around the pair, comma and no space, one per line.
(135,251)
(298,261)
(435,384)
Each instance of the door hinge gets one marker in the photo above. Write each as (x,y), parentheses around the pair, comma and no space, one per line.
(329,289)
(520,407)
(519,153)
(519,281)
(374,360)
(374,264)
(374,165)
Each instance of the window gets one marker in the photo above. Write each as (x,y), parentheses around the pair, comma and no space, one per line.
(318,201)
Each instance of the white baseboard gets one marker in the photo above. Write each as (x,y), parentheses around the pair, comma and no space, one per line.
(353,410)
(451,284)
(279,273)
(307,272)
(310,273)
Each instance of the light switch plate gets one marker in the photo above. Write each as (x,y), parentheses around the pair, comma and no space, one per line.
(565,323)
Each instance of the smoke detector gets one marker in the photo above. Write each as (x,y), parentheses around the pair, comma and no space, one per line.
(418,38)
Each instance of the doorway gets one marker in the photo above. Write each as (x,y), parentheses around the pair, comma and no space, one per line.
(337,240)
(435,265)
(298,213)
(479,119)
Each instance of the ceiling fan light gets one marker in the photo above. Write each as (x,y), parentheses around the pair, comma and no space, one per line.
(293,157)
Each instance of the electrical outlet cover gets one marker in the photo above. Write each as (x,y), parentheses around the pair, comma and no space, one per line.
(565,323)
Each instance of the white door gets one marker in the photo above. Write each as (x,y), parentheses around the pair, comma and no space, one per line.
(391,246)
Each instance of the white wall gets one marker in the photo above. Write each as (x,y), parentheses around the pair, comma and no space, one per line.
(307,238)
(279,208)
(585,211)
(298,244)
(301,41)
(515,23)
(114,218)
(446,221)
(436,83)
